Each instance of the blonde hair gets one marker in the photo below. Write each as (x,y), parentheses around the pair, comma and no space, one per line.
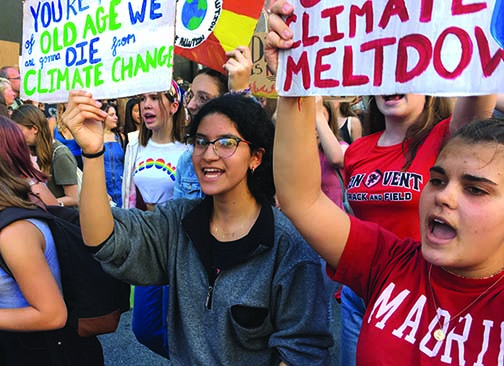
(3,84)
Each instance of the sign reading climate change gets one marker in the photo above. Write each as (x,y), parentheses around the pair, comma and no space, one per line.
(363,47)
(113,48)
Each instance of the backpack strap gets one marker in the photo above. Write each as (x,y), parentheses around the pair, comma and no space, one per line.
(12,214)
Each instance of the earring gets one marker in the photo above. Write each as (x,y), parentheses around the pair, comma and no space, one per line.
(252,170)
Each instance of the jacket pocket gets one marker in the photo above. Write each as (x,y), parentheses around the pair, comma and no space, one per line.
(252,326)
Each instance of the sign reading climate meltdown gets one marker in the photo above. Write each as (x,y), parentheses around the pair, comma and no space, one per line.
(359,47)
(113,48)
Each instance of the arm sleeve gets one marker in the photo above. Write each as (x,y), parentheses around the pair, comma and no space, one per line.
(369,253)
(137,252)
(302,318)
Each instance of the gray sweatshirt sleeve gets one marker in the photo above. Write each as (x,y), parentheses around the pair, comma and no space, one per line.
(302,319)
(138,250)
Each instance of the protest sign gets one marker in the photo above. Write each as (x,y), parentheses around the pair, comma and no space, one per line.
(262,81)
(113,48)
(9,56)
(359,47)
(207,29)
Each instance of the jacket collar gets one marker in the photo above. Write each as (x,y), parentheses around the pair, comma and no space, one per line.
(197,225)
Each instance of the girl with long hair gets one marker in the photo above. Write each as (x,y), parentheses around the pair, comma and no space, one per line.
(150,168)
(132,118)
(32,309)
(114,154)
(53,158)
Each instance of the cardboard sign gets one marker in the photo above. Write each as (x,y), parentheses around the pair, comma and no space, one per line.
(9,54)
(112,48)
(207,29)
(359,47)
(262,81)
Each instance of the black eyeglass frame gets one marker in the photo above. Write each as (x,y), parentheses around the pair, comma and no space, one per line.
(191,140)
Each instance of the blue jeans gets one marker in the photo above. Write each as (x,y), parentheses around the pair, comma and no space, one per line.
(149,323)
(352,313)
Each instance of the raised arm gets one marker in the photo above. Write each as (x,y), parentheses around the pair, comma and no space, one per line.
(239,68)
(322,223)
(472,108)
(83,118)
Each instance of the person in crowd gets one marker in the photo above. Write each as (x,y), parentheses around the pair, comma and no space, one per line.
(61,134)
(162,124)
(150,168)
(411,122)
(32,309)
(331,150)
(207,85)
(4,111)
(445,288)
(132,118)
(53,158)
(8,94)
(11,73)
(203,248)
(348,122)
(407,132)
(114,155)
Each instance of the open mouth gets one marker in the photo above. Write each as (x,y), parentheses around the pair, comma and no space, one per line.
(394,97)
(212,172)
(149,117)
(441,229)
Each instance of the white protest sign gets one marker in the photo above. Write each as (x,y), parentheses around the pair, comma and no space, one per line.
(112,48)
(359,47)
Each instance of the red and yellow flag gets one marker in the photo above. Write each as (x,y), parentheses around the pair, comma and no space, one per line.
(207,29)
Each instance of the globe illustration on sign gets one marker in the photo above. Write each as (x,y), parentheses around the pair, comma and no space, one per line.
(193,13)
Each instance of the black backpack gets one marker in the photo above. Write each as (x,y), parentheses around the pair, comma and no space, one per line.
(94,300)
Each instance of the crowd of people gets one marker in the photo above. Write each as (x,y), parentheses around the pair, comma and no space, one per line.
(194,196)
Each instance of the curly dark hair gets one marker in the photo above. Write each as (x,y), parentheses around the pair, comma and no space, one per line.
(254,125)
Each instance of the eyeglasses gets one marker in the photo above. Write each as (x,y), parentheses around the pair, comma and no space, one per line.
(224,147)
(199,98)
(16,78)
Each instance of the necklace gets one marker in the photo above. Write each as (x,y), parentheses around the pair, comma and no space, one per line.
(237,233)
(439,334)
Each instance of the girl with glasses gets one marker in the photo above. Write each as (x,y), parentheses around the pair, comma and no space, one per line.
(244,287)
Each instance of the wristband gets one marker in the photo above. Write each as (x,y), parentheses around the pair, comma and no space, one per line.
(95,155)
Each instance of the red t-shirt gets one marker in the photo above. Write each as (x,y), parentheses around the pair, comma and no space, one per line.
(392,277)
(377,188)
